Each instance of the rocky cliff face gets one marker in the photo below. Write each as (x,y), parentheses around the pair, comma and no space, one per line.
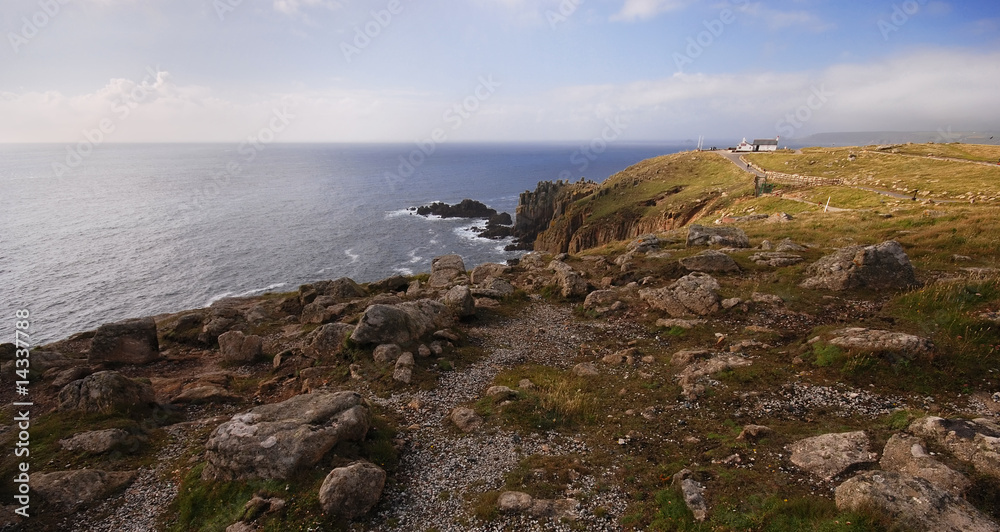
(549,200)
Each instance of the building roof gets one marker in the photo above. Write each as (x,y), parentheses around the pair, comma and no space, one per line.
(765,142)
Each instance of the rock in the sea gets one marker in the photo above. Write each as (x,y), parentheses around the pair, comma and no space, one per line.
(906,454)
(327,341)
(829,455)
(912,502)
(445,270)
(874,340)
(105,392)
(402,323)
(728,237)
(274,441)
(237,348)
(67,491)
(880,267)
(352,491)
(459,299)
(710,261)
(976,441)
(96,441)
(694,294)
(466,419)
(125,342)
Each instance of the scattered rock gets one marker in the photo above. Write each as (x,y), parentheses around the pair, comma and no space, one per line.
(571,283)
(881,267)
(906,454)
(341,289)
(514,502)
(730,237)
(914,502)
(685,356)
(689,376)
(500,392)
(767,299)
(696,294)
(387,353)
(829,455)
(644,244)
(274,441)
(788,245)
(350,492)
(105,392)
(466,419)
(775,259)
(710,261)
(237,348)
(484,271)
(125,342)
(873,340)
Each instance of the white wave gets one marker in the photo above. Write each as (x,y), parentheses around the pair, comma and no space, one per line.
(414,258)
(217,297)
(400,212)
(402,270)
(257,291)
(354,256)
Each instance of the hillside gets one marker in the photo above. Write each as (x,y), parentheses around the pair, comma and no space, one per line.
(790,367)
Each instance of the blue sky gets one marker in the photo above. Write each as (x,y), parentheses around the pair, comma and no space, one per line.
(492,70)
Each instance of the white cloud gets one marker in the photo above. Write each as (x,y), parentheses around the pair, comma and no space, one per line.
(294,7)
(776,19)
(644,9)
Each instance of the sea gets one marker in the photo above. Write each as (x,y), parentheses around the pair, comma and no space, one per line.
(116,231)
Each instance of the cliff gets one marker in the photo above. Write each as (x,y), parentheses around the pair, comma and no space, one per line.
(549,201)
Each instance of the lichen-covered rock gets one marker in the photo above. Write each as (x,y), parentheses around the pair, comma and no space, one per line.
(571,282)
(906,454)
(96,441)
(445,270)
(237,348)
(693,493)
(829,455)
(874,340)
(880,267)
(352,491)
(459,299)
(125,342)
(403,372)
(694,294)
(327,341)
(67,491)
(484,271)
(710,261)
(729,237)
(913,502)
(387,353)
(105,392)
(402,323)
(976,441)
(276,440)
(466,419)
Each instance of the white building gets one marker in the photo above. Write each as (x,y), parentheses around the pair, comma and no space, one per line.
(744,146)
(765,144)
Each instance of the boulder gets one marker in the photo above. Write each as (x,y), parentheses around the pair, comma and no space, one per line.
(125,342)
(403,371)
(912,502)
(387,353)
(829,455)
(514,502)
(644,243)
(754,433)
(880,267)
(459,299)
(67,491)
(728,237)
(787,244)
(694,294)
(324,309)
(396,283)
(601,299)
(688,377)
(906,454)
(445,270)
(571,283)
(491,269)
(775,259)
(976,442)
(327,341)
(274,441)
(350,492)
(585,369)
(402,323)
(341,289)
(105,392)
(493,287)
(874,341)
(693,493)
(96,441)
(237,348)
(466,419)
(500,392)
(710,261)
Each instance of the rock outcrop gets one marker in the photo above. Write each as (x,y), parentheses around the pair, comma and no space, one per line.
(727,237)
(66,491)
(880,267)
(695,294)
(237,348)
(352,491)
(906,454)
(873,341)
(274,441)
(829,455)
(976,442)
(105,392)
(446,270)
(459,299)
(96,441)
(710,261)
(399,324)
(125,342)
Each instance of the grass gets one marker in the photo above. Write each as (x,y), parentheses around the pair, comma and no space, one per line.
(970,152)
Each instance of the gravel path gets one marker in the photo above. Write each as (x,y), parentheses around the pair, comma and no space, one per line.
(439,465)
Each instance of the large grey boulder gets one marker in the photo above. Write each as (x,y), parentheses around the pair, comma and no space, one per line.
(693,493)
(238,348)
(96,441)
(105,392)
(694,294)
(571,282)
(976,442)
(710,261)
(459,299)
(67,491)
(466,419)
(491,269)
(399,324)
(327,341)
(906,454)
(125,342)
(445,270)
(729,237)
(874,340)
(340,289)
(880,267)
(829,455)
(352,491)
(913,502)
(276,440)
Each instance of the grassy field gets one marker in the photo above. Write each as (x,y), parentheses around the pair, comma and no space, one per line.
(971,152)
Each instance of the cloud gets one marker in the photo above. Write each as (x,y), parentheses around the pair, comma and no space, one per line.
(776,19)
(644,9)
(294,7)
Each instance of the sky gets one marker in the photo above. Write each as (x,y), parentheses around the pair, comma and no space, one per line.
(430,71)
